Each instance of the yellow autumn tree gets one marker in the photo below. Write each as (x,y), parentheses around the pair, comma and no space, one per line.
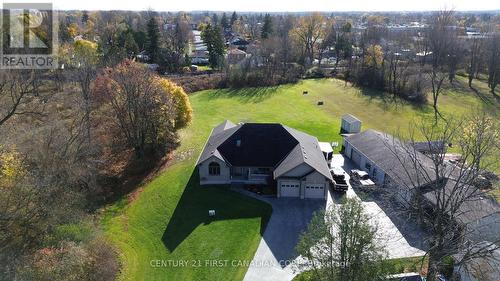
(73,30)
(85,52)
(180,100)
(158,106)
(374,55)
(11,167)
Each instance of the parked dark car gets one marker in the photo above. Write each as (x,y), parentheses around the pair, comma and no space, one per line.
(339,183)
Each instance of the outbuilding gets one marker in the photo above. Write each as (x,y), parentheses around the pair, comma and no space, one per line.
(350,125)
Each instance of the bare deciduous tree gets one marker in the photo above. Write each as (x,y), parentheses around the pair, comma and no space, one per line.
(442,195)
(440,38)
(475,53)
(19,94)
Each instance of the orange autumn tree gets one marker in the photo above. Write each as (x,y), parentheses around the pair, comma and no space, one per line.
(147,109)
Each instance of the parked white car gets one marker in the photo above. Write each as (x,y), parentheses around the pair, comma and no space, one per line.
(361,177)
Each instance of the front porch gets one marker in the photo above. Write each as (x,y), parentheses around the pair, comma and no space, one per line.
(247,175)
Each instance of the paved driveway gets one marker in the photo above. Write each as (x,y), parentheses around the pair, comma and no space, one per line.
(400,238)
(274,257)
(272,260)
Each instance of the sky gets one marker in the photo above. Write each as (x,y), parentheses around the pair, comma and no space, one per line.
(274,5)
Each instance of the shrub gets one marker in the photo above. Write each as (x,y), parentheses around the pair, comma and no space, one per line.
(194,83)
(314,72)
(70,261)
(70,232)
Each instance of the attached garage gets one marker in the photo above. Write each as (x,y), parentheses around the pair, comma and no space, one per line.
(315,191)
(290,189)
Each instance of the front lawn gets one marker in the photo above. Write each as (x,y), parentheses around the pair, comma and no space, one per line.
(169,223)
(168,219)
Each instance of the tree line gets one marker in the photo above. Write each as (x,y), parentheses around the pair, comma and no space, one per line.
(70,145)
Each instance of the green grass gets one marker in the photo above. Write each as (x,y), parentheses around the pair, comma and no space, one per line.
(204,67)
(168,220)
(392,266)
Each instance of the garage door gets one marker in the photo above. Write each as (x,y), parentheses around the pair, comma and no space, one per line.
(315,191)
(290,189)
(356,157)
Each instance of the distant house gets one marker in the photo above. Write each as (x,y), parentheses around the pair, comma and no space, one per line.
(350,124)
(153,66)
(239,43)
(234,56)
(143,56)
(199,57)
(169,26)
(423,56)
(265,153)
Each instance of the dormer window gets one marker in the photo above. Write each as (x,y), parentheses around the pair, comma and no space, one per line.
(238,143)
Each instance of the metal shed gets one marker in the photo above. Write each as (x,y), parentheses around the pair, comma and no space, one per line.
(350,124)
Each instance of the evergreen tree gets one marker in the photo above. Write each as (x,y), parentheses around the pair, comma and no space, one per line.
(215,19)
(223,21)
(85,17)
(153,38)
(129,44)
(64,34)
(234,18)
(267,28)
(212,36)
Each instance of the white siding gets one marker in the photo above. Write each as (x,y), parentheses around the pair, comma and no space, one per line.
(289,188)
(298,171)
(351,127)
(355,127)
(375,172)
(347,149)
(315,179)
(206,178)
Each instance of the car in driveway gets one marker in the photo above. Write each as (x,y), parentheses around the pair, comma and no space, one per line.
(339,183)
(361,178)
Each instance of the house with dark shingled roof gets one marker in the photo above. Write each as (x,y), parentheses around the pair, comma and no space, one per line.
(265,153)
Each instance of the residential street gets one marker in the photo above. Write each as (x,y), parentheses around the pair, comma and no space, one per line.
(290,217)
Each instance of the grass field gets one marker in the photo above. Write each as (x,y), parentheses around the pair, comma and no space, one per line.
(167,219)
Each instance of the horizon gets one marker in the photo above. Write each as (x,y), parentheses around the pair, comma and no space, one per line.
(294,6)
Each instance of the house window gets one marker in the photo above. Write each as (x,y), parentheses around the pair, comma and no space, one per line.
(214,169)
(262,171)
